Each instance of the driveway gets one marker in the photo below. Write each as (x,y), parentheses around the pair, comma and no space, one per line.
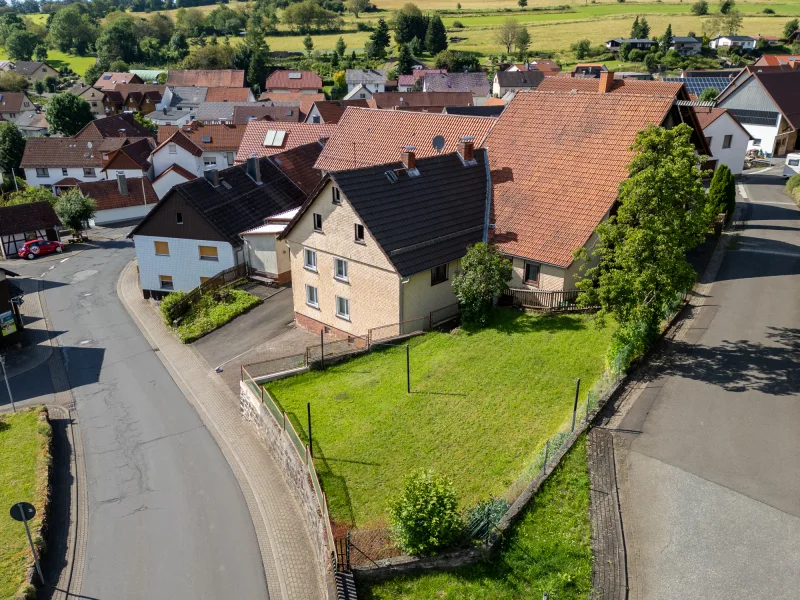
(266,321)
(709,452)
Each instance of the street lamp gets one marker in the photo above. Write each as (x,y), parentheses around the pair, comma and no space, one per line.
(8,387)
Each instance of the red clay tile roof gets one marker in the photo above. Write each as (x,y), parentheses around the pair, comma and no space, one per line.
(20,218)
(106,193)
(298,165)
(297,134)
(108,80)
(109,127)
(414,99)
(224,137)
(540,64)
(226,94)
(366,137)
(557,161)
(332,110)
(268,112)
(12,102)
(618,86)
(186,174)
(706,116)
(67,182)
(180,139)
(494,102)
(306,100)
(42,152)
(131,156)
(205,77)
(776,60)
(280,80)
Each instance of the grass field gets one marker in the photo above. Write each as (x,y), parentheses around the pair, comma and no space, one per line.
(24,459)
(549,550)
(482,404)
(57,59)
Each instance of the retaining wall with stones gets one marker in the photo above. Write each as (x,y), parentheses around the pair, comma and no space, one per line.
(294,469)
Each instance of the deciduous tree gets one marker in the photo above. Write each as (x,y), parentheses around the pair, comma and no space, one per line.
(357,6)
(507,34)
(74,210)
(68,114)
(21,45)
(485,273)
(790,28)
(12,146)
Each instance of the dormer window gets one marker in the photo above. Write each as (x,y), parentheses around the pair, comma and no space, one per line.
(337,195)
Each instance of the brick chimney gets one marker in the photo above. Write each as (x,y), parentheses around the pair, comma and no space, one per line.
(212,176)
(606,81)
(323,138)
(466,148)
(122,133)
(409,158)
(122,184)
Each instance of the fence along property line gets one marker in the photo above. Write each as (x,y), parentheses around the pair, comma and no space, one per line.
(551,301)
(303,453)
(417,325)
(221,279)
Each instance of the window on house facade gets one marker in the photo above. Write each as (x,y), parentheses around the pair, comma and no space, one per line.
(312,297)
(208,253)
(757,142)
(42,172)
(340,269)
(204,279)
(532,273)
(439,274)
(88,172)
(64,171)
(310,259)
(359,232)
(166,282)
(317,222)
(708,141)
(315,119)
(230,157)
(209,161)
(342,308)
(162,248)
(727,141)
(173,148)
(179,218)
(336,195)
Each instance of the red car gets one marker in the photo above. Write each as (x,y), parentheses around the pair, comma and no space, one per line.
(33,248)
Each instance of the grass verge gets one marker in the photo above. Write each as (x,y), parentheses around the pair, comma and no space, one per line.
(549,550)
(24,464)
(483,403)
(213,311)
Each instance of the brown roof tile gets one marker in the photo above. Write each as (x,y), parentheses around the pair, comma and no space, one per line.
(20,218)
(106,193)
(416,99)
(298,165)
(227,94)
(42,152)
(296,134)
(185,173)
(110,127)
(177,137)
(618,86)
(306,100)
(307,80)
(224,137)
(108,80)
(557,161)
(332,110)
(14,102)
(131,156)
(366,137)
(205,77)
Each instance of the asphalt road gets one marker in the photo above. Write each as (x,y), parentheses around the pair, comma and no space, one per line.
(166,516)
(710,484)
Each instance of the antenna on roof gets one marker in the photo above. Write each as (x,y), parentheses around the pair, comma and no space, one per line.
(438,143)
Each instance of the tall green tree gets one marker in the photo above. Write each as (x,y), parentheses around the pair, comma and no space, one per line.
(666,40)
(640,261)
(507,34)
(790,28)
(308,43)
(178,46)
(644,28)
(12,147)
(380,40)
(436,36)
(523,40)
(403,28)
(485,274)
(40,53)
(74,210)
(118,42)
(68,114)
(341,47)
(21,45)
(718,200)
(404,60)
(726,6)
(71,28)
(635,28)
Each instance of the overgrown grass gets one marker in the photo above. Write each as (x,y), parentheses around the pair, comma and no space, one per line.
(549,550)
(24,461)
(213,310)
(483,403)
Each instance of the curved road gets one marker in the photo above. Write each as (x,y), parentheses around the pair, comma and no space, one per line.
(166,516)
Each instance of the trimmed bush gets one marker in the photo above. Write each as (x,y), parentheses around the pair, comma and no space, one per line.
(168,306)
(792,183)
(457,25)
(424,518)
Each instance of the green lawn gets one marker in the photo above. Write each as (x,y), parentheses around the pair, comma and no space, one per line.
(483,403)
(24,458)
(549,550)
(57,59)
(213,310)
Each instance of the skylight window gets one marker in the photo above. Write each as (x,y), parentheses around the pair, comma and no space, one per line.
(206,139)
(107,77)
(274,138)
(295,75)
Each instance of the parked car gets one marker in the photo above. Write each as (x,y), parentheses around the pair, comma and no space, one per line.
(33,248)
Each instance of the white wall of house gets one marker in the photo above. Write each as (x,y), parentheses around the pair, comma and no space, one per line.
(115,215)
(313,115)
(550,277)
(360,93)
(733,156)
(420,298)
(164,159)
(166,183)
(183,263)
(56,174)
(724,42)
(267,254)
(370,87)
(763,136)
(288,91)
(220,159)
(160,118)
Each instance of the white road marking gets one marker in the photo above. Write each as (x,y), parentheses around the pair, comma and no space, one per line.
(84,342)
(774,252)
(65,259)
(53,267)
(742,191)
(760,171)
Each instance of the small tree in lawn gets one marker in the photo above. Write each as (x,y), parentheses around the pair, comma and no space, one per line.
(641,251)
(507,34)
(39,87)
(74,210)
(68,114)
(51,83)
(485,275)
(436,36)
(404,60)
(424,517)
(522,3)
(340,47)
(790,28)
(523,40)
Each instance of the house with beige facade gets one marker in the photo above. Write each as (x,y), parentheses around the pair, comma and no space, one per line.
(379,246)
(34,71)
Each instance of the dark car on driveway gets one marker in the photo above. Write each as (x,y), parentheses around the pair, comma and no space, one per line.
(33,248)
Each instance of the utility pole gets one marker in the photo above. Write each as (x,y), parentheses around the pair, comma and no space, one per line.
(8,387)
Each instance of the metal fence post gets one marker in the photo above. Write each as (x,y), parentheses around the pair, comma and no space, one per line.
(575,407)
(347,551)
(588,401)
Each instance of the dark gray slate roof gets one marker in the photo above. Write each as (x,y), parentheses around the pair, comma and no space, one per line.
(425,221)
(526,79)
(493,110)
(238,203)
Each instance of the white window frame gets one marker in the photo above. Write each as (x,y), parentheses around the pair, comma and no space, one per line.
(210,161)
(757,142)
(89,172)
(173,148)
(344,276)
(310,259)
(727,142)
(341,315)
(315,302)
(64,171)
(42,172)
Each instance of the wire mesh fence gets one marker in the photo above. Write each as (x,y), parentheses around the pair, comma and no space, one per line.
(386,332)
(277,365)
(335,348)
(444,315)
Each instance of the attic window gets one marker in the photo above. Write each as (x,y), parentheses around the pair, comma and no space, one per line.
(274,138)
(391,176)
(206,139)
(295,75)
(289,112)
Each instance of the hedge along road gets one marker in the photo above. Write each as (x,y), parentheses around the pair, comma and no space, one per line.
(166,516)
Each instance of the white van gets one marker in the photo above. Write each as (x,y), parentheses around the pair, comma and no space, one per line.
(792,166)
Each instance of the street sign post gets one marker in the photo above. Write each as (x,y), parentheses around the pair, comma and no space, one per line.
(22,511)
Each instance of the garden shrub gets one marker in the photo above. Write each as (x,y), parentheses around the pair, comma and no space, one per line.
(792,183)
(424,518)
(768,11)
(168,306)
(482,517)
(457,25)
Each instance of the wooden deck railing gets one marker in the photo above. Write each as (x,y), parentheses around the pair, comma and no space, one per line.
(221,279)
(553,301)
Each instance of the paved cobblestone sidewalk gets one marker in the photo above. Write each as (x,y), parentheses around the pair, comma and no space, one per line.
(286,548)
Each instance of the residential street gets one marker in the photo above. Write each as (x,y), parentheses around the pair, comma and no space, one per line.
(167,518)
(707,456)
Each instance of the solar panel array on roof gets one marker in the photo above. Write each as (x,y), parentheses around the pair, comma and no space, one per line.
(274,138)
(696,85)
(754,117)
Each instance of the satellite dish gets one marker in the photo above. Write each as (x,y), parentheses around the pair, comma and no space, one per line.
(438,143)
